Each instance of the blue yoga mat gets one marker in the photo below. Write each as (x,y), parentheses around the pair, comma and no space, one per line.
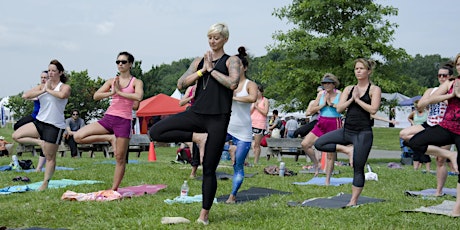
(52,184)
(322,181)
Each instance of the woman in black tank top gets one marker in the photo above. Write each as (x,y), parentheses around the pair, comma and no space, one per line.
(355,138)
(205,123)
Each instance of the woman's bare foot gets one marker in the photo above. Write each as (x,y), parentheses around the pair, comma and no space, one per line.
(231,199)
(453,160)
(193,173)
(200,140)
(43,187)
(113,142)
(349,151)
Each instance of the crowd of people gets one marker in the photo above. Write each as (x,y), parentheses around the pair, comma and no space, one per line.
(228,112)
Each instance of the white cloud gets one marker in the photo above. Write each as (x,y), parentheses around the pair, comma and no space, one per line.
(105,28)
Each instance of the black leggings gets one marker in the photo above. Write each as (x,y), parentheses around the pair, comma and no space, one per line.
(362,144)
(434,135)
(180,128)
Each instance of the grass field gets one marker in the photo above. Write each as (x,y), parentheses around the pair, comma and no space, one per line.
(47,210)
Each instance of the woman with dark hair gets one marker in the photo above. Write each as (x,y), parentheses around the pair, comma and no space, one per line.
(50,121)
(446,132)
(259,112)
(239,130)
(206,122)
(361,101)
(125,91)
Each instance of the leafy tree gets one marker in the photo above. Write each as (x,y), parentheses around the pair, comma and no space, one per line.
(19,107)
(328,36)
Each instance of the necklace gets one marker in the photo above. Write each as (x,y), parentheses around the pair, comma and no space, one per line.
(209,75)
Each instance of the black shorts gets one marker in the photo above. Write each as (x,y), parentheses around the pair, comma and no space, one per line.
(23,121)
(257,131)
(425,125)
(48,132)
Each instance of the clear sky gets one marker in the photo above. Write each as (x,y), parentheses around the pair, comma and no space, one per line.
(88,34)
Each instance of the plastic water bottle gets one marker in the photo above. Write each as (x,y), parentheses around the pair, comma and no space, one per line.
(15,162)
(184,189)
(282,168)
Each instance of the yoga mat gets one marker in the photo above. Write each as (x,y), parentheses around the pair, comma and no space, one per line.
(432,191)
(140,190)
(8,168)
(112,162)
(445,208)
(52,184)
(339,201)
(253,193)
(226,176)
(322,181)
(312,171)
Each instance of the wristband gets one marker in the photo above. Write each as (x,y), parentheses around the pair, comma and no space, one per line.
(199,73)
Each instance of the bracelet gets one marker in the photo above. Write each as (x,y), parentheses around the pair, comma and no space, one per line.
(199,73)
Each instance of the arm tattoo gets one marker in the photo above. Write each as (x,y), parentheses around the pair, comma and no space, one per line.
(233,79)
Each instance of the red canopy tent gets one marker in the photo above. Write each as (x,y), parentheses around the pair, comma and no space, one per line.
(160,104)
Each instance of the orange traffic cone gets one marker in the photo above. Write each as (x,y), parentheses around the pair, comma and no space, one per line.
(323,160)
(152,155)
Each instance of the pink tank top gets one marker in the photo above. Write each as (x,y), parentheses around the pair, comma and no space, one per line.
(451,119)
(259,120)
(120,106)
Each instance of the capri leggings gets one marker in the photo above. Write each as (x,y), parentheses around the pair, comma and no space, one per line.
(242,150)
(362,143)
(180,128)
(434,135)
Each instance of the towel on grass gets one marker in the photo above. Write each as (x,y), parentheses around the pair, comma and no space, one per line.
(339,201)
(109,195)
(432,192)
(187,199)
(112,162)
(445,208)
(226,176)
(253,193)
(322,181)
(52,184)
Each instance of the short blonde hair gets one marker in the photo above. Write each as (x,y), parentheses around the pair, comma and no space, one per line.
(220,28)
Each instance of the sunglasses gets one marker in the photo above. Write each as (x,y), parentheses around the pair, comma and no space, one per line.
(75,114)
(121,61)
(443,75)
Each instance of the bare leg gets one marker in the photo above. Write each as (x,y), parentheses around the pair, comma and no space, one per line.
(231,199)
(50,152)
(41,163)
(330,166)
(200,140)
(193,172)
(257,148)
(355,192)
(456,210)
(441,175)
(428,167)
(307,146)
(120,158)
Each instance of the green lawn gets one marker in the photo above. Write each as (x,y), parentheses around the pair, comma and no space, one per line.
(47,210)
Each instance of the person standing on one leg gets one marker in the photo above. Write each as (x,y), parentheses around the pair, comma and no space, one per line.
(50,121)
(125,91)
(360,100)
(206,122)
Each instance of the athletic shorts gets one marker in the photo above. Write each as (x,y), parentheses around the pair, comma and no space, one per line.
(48,132)
(257,131)
(119,126)
(326,124)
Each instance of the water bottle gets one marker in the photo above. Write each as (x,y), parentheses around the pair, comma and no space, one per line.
(184,189)
(282,168)
(15,162)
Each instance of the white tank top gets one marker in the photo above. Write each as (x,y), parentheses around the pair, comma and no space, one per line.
(52,109)
(240,119)
(436,111)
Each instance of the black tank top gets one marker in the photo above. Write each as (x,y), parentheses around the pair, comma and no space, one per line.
(357,118)
(211,97)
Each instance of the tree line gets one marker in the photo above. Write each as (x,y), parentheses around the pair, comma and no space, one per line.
(327,37)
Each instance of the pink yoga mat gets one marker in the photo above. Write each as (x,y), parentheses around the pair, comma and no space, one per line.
(140,190)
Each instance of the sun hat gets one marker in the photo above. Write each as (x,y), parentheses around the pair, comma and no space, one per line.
(2,138)
(327,79)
